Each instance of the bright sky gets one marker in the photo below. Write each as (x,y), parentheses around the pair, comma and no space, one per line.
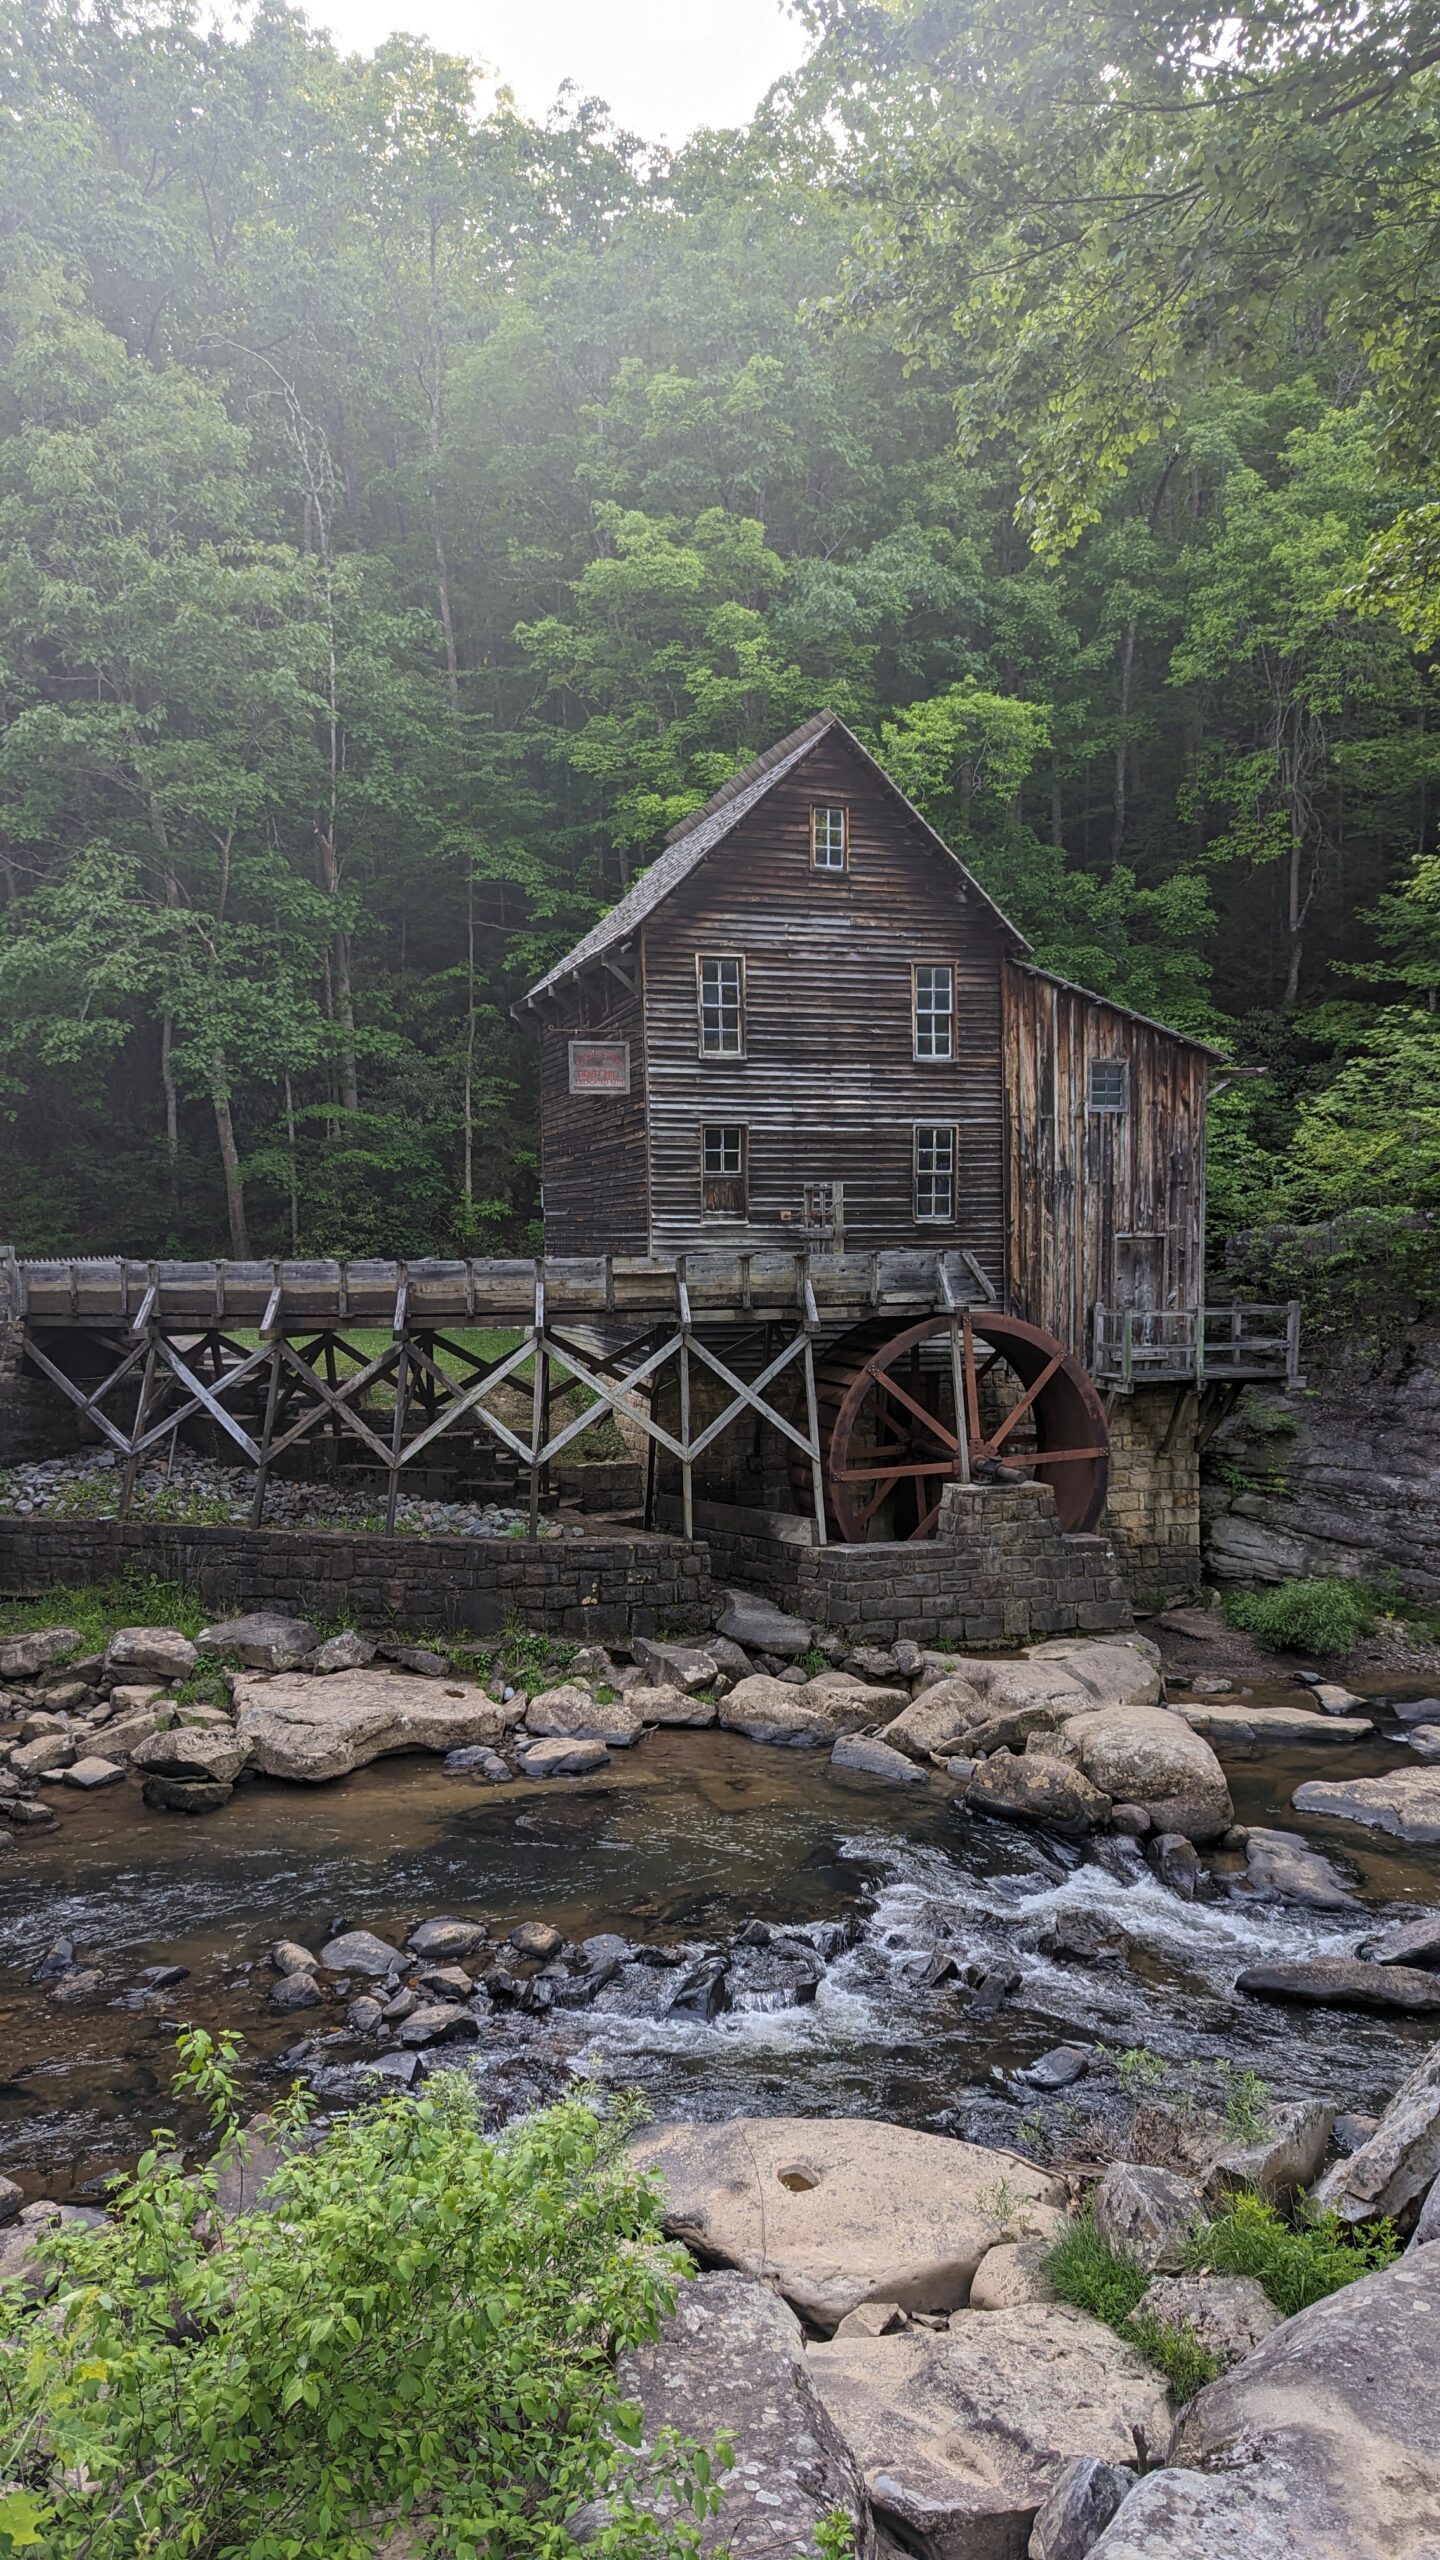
(664,66)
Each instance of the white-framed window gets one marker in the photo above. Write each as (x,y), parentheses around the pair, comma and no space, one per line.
(829,838)
(1109,1084)
(720,988)
(934,1010)
(934,1175)
(724,1153)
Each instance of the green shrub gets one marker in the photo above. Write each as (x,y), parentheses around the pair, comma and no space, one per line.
(1296,2267)
(96,1609)
(1178,2349)
(1323,1616)
(1084,2273)
(426,2324)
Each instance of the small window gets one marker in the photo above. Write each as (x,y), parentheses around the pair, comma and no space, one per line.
(935,1176)
(1109,1084)
(722,1008)
(829,839)
(934,1012)
(723,1155)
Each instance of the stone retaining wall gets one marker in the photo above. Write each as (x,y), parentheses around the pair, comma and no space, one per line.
(1153,1511)
(600,1589)
(1000,1572)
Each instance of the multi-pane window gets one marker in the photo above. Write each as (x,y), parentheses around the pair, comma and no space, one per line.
(934,1012)
(935,1175)
(723,1171)
(1109,1088)
(721,987)
(829,838)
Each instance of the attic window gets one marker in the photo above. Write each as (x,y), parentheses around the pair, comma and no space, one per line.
(829,839)
(721,991)
(1109,1087)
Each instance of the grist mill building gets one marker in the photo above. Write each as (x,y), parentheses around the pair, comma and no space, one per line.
(807,1026)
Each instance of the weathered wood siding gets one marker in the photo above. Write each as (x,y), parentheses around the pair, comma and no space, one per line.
(1085,1185)
(593,1144)
(829,1088)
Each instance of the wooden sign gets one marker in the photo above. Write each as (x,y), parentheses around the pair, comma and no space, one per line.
(599,1066)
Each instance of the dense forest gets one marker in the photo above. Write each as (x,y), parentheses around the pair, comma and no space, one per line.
(408,511)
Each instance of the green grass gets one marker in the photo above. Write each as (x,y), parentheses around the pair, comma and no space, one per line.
(96,1609)
(1295,2265)
(1325,1616)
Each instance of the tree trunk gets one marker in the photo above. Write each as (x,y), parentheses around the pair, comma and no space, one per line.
(172,1114)
(294,1175)
(468,1106)
(230,1162)
(1127,670)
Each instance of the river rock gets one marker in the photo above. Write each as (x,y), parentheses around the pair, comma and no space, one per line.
(1335,1699)
(1343,1982)
(194,1751)
(675,1666)
(875,1760)
(92,1772)
(444,1939)
(1281,1866)
(1056,2069)
(419,1658)
(167,1793)
(840,2210)
(163,1650)
(438,2022)
(263,1639)
(938,1721)
(22,1657)
(1230,2314)
(732,2355)
(536,1938)
(1427,2221)
(1424,1741)
(1402,2156)
(1086,2495)
(347,1652)
(558,1758)
(295,1991)
(1146,2215)
(962,2436)
(1406,1942)
(1324,2443)
(1030,1788)
(1144,1755)
(772,1711)
(1286,2156)
(572,1714)
(1012,2274)
(303,1728)
(1405,1802)
(1242,1724)
(11,2200)
(760,1626)
(288,1956)
(668,1705)
(124,1734)
(36,1759)
(360,1951)
(478,1761)
(854,1703)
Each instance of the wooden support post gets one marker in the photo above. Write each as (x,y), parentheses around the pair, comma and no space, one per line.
(132,1463)
(1127,1350)
(397,1438)
(687,1467)
(537,1399)
(267,1430)
(817,1464)
(957,1373)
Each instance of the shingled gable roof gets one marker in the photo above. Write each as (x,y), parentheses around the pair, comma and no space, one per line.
(687,845)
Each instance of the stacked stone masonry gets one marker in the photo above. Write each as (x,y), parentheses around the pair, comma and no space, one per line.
(1153,1511)
(602,1590)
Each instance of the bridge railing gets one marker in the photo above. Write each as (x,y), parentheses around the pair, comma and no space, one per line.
(1141,1346)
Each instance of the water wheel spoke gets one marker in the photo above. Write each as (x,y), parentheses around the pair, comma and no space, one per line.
(925,1526)
(887,1487)
(863,1474)
(1018,1411)
(1055,1457)
(931,1421)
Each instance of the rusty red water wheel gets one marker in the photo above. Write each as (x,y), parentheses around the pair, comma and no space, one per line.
(888,1405)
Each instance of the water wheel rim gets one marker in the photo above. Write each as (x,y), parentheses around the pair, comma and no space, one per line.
(1060,1399)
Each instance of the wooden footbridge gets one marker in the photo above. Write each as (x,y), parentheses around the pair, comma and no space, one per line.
(886,1374)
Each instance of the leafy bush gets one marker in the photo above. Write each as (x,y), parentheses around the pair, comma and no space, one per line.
(1178,2349)
(1084,2273)
(1296,2267)
(1320,1617)
(427,2323)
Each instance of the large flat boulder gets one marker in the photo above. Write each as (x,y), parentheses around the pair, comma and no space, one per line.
(1323,2445)
(300,1727)
(163,1650)
(938,1720)
(263,1639)
(1343,1982)
(963,2435)
(571,1714)
(665,1704)
(1401,2157)
(193,1751)
(760,1626)
(1281,1866)
(1032,1788)
(837,2211)
(1144,1755)
(1405,1802)
(732,2355)
(22,1656)
(778,1712)
(1226,1720)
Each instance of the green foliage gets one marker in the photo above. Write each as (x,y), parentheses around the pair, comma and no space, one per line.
(1247,2100)
(1323,1616)
(96,1609)
(1085,2273)
(426,2325)
(1296,2266)
(1178,2349)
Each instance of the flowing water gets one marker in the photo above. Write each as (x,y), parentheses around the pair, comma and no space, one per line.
(682,1842)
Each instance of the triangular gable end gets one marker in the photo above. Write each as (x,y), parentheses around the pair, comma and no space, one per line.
(689,844)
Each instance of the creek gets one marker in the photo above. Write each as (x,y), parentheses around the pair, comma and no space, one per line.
(683,1841)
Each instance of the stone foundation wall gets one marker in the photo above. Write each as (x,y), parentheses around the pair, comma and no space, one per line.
(1000,1572)
(1152,1516)
(602,1590)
